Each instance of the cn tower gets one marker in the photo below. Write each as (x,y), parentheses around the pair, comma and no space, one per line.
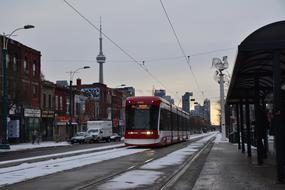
(101,58)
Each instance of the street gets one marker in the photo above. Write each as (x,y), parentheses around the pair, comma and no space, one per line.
(110,168)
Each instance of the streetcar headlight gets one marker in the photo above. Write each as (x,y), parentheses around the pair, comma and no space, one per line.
(149,132)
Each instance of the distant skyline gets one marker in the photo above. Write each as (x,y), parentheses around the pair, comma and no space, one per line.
(205,28)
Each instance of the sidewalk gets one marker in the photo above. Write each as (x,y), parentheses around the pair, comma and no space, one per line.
(226,168)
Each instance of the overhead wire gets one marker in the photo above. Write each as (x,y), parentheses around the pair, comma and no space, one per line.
(187,58)
(150,60)
(141,65)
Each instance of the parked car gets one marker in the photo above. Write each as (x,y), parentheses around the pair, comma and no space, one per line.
(115,137)
(81,137)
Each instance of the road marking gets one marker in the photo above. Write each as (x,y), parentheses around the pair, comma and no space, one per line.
(131,167)
(148,160)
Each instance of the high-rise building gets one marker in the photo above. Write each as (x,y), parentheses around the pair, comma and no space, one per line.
(169,99)
(160,93)
(186,101)
(101,58)
(207,110)
(203,111)
(198,110)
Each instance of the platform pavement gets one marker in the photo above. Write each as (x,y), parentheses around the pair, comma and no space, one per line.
(226,168)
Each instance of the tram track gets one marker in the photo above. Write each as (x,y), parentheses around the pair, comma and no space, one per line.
(182,168)
(165,184)
(61,164)
(125,160)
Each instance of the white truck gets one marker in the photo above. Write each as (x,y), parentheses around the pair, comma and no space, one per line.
(100,130)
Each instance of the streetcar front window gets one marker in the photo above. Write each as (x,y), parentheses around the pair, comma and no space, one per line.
(141,117)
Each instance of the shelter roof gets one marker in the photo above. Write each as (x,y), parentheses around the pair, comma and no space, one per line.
(255,62)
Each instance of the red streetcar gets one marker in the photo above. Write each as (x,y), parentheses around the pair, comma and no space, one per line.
(152,121)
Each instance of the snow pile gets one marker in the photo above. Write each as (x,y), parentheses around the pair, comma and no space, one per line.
(219,139)
(27,171)
(60,154)
(25,146)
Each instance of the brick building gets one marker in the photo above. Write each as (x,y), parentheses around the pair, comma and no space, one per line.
(24,90)
(103,103)
(62,131)
(47,107)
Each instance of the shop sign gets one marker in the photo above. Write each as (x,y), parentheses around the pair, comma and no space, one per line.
(94,93)
(32,112)
(47,114)
(62,118)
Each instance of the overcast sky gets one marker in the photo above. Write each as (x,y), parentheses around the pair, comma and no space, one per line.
(140,27)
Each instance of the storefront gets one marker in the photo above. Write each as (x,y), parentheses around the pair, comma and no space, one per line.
(31,122)
(47,124)
(63,130)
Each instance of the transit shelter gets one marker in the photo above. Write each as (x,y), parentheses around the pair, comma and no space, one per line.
(257,93)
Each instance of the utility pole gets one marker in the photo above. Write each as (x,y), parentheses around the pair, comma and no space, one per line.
(5,110)
(220,66)
(222,102)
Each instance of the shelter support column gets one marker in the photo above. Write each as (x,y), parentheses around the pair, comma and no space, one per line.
(238,125)
(265,128)
(277,117)
(248,131)
(242,126)
(258,125)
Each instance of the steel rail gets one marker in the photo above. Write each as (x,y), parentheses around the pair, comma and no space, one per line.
(108,177)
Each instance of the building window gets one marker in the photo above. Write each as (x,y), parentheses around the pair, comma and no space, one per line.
(26,66)
(49,101)
(56,102)
(15,63)
(67,106)
(44,101)
(35,91)
(60,103)
(34,69)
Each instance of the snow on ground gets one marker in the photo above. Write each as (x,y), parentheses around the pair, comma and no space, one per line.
(195,136)
(147,174)
(132,179)
(60,154)
(24,146)
(219,139)
(25,171)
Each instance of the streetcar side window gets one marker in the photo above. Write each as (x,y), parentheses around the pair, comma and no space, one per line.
(164,120)
(168,120)
(162,123)
(175,126)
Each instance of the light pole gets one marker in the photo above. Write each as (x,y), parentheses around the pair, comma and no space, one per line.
(220,66)
(5,85)
(72,73)
(121,85)
(113,94)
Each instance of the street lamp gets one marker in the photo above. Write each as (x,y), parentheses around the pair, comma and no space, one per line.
(72,73)
(220,66)
(121,85)
(6,38)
